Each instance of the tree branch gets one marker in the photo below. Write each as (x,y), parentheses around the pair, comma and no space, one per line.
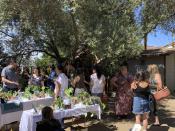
(7,34)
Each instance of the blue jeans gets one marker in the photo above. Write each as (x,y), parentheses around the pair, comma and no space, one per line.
(140,105)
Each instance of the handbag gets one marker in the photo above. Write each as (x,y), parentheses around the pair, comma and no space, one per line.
(161,94)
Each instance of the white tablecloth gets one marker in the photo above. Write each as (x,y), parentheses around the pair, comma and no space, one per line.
(29,118)
(16,116)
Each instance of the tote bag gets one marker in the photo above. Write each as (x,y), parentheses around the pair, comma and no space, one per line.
(161,94)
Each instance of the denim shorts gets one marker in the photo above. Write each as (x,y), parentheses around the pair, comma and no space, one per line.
(140,105)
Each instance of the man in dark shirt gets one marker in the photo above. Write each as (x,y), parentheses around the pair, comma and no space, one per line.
(9,77)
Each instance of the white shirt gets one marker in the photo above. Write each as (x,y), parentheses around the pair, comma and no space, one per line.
(97,84)
(63,80)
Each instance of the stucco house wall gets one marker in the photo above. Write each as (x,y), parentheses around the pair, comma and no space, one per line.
(170,71)
(142,63)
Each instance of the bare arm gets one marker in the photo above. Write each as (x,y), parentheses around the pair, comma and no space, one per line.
(104,83)
(113,82)
(57,88)
(8,81)
(29,82)
(134,85)
(88,83)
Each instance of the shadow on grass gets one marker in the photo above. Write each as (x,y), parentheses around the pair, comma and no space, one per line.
(158,128)
(168,121)
(94,127)
(101,127)
(166,116)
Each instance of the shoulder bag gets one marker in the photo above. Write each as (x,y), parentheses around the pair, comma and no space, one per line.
(161,94)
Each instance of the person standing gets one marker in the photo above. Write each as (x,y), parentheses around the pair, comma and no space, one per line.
(36,79)
(9,77)
(97,82)
(52,76)
(155,84)
(25,76)
(61,82)
(122,82)
(140,87)
(79,82)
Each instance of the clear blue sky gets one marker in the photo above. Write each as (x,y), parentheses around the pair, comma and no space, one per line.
(160,38)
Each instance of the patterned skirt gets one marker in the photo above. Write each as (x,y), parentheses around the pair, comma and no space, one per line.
(123,105)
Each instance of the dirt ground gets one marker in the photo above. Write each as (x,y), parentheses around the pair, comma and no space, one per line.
(110,123)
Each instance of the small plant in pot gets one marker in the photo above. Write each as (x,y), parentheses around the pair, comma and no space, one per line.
(83,96)
(47,91)
(27,94)
(67,99)
(58,103)
(3,97)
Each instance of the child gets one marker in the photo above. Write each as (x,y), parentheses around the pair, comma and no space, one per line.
(141,100)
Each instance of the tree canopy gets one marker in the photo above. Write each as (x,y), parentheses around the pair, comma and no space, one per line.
(111,30)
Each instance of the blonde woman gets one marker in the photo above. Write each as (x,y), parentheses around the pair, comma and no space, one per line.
(155,84)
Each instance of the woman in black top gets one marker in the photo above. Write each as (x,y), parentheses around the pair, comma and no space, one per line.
(141,100)
(79,82)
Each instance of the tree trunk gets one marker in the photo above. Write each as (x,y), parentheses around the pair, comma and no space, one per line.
(145,40)
(76,33)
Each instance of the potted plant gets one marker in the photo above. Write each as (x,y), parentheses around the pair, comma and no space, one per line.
(97,100)
(47,91)
(3,97)
(67,99)
(83,96)
(27,94)
(58,103)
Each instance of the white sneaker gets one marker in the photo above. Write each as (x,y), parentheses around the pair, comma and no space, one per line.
(137,127)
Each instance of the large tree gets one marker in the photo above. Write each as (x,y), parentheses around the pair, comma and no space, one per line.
(153,14)
(58,28)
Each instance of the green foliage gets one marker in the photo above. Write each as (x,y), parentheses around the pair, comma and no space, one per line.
(58,28)
(8,95)
(110,29)
(37,91)
(155,13)
(83,96)
(58,103)
(27,94)
(48,91)
(44,61)
(69,92)
(86,99)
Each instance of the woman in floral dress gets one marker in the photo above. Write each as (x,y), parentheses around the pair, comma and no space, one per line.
(122,82)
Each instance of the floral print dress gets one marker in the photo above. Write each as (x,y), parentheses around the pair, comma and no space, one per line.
(124,94)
